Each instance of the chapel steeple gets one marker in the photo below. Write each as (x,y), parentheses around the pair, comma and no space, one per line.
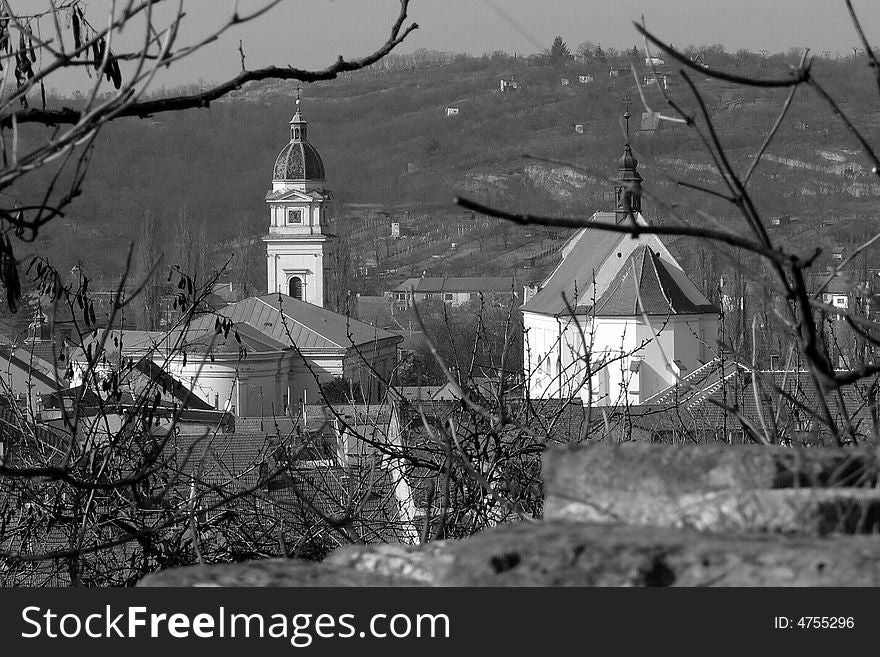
(628,190)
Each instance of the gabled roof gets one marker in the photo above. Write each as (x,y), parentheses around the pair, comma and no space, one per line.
(593,260)
(285,319)
(22,358)
(645,285)
(285,194)
(583,256)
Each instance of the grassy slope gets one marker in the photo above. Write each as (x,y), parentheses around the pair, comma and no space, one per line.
(371,128)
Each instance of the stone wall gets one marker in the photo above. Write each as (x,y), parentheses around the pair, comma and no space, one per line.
(637,515)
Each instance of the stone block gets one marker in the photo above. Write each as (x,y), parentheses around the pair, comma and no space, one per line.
(559,553)
(271,572)
(804,511)
(714,488)
(579,471)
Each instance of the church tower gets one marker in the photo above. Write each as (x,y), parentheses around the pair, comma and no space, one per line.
(628,190)
(296,244)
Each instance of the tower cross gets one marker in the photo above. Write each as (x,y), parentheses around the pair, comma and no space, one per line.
(627,101)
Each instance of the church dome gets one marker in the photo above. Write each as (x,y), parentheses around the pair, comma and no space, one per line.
(298,161)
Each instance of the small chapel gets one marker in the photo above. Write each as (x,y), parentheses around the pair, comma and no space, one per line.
(618,320)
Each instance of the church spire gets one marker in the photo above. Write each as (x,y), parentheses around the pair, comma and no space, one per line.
(298,125)
(628,190)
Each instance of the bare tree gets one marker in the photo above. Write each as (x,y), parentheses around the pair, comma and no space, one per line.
(147,255)
(40,45)
(112,488)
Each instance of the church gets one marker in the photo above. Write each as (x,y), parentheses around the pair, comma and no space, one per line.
(618,320)
(284,345)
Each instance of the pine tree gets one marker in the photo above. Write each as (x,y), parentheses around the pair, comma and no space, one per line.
(559,52)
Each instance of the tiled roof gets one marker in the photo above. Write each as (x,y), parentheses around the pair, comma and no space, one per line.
(591,260)
(24,359)
(645,284)
(309,326)
(298,160)
(464,284)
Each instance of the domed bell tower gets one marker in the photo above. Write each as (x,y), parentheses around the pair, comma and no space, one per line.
(296,245)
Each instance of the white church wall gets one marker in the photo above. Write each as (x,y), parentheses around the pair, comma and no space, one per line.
(616,342)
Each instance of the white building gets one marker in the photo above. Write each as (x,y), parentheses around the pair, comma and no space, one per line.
(618,319)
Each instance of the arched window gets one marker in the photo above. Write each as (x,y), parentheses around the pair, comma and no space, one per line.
(295,288)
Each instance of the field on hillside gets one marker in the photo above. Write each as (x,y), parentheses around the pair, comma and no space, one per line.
(388,146)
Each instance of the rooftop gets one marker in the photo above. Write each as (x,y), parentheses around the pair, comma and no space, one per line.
(464,284)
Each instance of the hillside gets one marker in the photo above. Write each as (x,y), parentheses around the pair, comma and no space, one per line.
(389,146)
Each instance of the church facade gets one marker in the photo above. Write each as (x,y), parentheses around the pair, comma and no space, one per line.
(618,320)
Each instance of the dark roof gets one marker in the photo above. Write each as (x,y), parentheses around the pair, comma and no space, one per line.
(592,261)
(463,284)
(645,284)
(298,160)
(25,360)
(583,256)
(309,326)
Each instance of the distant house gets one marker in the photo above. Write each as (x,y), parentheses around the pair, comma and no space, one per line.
(454,291)
(651,122)
(585,79)
(480,385)
(615,73)
(565,82)
(837,253)
(579,128)
(836,294)
(395,230)
(654,61)
(781,220)
(661,78)
(451,111)
(509,84)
